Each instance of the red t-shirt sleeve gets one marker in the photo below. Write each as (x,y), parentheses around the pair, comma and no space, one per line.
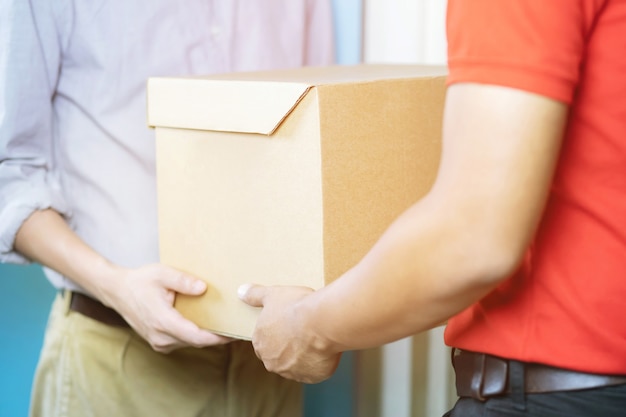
(533,45)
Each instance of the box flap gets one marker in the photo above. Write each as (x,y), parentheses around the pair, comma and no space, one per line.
(256,102)
(234,106)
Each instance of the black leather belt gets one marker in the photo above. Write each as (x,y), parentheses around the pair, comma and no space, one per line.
(480,376)
(94,309)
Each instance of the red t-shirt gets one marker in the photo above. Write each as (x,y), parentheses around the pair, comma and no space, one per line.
(566,306)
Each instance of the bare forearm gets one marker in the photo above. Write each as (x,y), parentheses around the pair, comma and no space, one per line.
(421,272)
(46,238)
(408,283)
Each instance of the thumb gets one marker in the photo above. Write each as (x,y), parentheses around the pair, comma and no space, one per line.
(252,294)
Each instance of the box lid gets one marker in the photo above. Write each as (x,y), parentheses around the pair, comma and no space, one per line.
(255,102)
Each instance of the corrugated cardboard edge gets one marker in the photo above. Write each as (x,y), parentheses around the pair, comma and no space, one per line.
(246,107)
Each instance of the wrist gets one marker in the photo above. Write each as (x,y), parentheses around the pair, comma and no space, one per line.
(314,330)
(105,281)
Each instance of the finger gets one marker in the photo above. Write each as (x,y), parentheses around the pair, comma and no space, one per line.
(182,283)
(252,294)
(190,334)
(167,344)
(164,343)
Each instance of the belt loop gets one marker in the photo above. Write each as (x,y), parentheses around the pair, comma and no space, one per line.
(517,384)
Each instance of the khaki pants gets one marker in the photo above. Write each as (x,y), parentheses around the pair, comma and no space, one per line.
(90,369)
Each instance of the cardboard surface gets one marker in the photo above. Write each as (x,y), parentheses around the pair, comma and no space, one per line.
(287,177)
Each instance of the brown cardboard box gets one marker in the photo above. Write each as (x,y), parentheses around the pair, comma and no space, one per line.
(287,177)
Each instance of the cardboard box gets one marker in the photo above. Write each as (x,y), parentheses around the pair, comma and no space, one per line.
(287,177)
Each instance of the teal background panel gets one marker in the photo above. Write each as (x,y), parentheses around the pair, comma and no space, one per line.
(26,299)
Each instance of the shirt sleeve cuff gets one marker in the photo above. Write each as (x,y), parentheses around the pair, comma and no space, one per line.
(15,212)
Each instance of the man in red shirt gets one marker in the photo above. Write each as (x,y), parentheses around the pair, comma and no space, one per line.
(520,244)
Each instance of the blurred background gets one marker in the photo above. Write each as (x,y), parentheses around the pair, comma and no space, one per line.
(408,378)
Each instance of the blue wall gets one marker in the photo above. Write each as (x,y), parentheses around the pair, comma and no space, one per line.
(26,298)
(348,16)
(27,295)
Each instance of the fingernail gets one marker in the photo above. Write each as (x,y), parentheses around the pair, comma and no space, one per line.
(199,286)
(243,290)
